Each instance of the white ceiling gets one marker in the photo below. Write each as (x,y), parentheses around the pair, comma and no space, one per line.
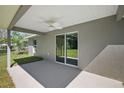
(67,15)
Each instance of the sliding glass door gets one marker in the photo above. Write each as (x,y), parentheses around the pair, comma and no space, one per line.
(60,47)
(67,48)
(72,48)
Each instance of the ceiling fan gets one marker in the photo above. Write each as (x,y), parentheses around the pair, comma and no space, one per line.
(53,23)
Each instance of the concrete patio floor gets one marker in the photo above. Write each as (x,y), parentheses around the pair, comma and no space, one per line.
(51,74)
(109,63)
(22,79)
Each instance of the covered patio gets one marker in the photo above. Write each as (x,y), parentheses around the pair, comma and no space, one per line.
(44,73)
(38,74)
(51,74)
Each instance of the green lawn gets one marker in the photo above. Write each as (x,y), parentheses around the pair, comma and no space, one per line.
(5,80)
(23,58)
(70,53)
(15,55)
(26,60)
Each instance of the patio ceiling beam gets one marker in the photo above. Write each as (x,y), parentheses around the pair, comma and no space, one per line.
(120,12)
(19,29)
(21,11)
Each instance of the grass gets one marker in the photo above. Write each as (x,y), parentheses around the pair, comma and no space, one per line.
(5,80)
(70,53)
(26,60)
(15,55)
(23,58)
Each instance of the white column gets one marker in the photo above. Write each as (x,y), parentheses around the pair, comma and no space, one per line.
(8,49)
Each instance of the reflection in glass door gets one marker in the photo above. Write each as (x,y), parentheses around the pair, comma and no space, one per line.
(67,48)
(60,47)
(72,48)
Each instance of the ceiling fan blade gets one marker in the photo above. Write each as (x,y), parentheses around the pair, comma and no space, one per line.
(57,25)
(52,22)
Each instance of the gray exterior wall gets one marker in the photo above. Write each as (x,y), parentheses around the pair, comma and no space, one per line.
(94,36)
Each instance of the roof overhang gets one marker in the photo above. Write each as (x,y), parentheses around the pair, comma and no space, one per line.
(11,14)
(31,36)
(19,29)
(37,18)
(7,13)
(21,11)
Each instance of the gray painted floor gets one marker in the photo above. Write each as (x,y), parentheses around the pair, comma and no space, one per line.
(51,74)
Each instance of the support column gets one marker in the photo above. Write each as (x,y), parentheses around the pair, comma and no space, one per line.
(8,49)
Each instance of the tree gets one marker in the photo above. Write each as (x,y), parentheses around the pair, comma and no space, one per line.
(3,36)
(18,39)
(3,40)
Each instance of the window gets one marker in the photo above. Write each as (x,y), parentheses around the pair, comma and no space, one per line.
(35,43)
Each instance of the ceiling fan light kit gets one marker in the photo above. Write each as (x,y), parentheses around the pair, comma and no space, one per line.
(52,23)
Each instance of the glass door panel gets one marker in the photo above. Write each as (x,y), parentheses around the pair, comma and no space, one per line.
(72,49)
(60,48)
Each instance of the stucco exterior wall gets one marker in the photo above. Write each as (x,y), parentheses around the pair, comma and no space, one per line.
(94,36)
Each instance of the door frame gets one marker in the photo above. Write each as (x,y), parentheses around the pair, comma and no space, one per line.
(65,33)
